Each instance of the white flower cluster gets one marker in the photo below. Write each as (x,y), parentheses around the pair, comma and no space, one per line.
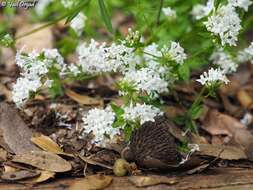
(226,24)
(133,37)
(34,69)
(141,112)
(246,54)
(225,21)
(199,11)
(78,23)
(212,77)
(169,12)
(95,58)
(244,4)
(175,52)
(224,61)
(99,122)
(147,80)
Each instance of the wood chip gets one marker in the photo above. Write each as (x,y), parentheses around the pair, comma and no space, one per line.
(43,160)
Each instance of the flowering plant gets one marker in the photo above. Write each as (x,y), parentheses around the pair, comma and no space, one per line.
(184,36)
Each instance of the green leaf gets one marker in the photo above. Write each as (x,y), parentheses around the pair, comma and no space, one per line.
(105,15)
(196,111)
(184,72)
(117,110)
(76,10)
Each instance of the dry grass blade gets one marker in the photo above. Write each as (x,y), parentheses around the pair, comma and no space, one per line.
(82,99)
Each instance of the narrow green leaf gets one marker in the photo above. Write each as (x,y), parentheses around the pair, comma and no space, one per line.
(105,15)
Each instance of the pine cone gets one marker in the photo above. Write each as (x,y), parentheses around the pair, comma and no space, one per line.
(152,146)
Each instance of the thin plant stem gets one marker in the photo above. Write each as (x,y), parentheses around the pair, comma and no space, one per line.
(159,12)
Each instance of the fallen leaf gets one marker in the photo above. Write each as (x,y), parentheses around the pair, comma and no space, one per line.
(6,92)
(36,41)
(244,98)
(47,144)
(82,99)
(43,160)
(221,151)
(217,123)
(144,181)
(93,182)
(16,134)
(3,155)
(93,162)
(44,176)
(19,175)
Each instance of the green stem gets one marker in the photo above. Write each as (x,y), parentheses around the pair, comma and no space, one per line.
(199,97)
(159,12)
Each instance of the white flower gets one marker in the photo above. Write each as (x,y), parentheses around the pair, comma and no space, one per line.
(22,89)
(133,37)
(169,12)
(175,52)
(97,58)
(41,5)
(99,122)
(35,68)
(199,11)
(226,24)
(212,76)
(246,54)
(68,3)
(74,69)
(147,80)
(141,112)
(224,61)
(246,119)
(151,52)
(244,4)
(78,23)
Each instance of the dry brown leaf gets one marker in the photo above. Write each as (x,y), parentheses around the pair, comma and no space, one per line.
(221,124)
(93,162)
(19,175)
(217,123)
(244,98)
(221,151)
(16,134)
(3,155)
(44,176)
(36,41)
(82,99)
(93,182)
(144,181)
(47,144)
(43,160)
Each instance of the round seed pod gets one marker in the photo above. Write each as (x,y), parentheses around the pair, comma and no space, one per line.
(152,146)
